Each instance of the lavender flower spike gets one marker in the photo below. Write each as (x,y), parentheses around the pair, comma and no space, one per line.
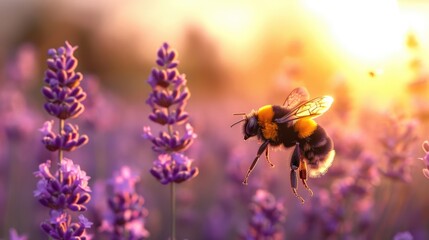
(66,188)
(425,159)
(399,135)
(168,101)
(63,94)
(169,91)
(127,216)
(267,216)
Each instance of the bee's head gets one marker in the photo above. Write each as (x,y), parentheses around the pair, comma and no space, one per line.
(250,127)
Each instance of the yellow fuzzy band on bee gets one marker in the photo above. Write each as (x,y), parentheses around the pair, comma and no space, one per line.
(266,113)
(305,127)
(265,121)
(269,131)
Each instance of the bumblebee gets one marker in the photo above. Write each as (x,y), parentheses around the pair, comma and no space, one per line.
(292,125)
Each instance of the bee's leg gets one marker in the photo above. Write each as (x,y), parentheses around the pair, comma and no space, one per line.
(294,184)
(260,151)
(294,165)
(303,174)
(268,157)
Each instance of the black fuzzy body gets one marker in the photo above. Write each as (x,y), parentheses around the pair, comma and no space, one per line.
(316,147)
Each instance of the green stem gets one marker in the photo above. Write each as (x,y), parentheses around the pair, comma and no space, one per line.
(388,194)
(172,197)
(172,191)
(60,151)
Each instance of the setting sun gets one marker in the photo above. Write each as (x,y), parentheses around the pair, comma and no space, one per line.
(367,30)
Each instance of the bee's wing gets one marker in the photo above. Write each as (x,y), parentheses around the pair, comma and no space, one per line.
(323,165)
(312,109)
(297,96)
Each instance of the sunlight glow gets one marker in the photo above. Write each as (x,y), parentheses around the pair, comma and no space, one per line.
(366,29)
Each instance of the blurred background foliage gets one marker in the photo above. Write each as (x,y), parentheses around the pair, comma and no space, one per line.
(371,56)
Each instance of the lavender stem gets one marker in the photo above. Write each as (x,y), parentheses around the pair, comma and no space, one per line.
(172,190)
(168,100)
(60,151)
(173,210)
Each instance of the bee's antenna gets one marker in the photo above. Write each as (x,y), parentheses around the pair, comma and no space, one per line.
(238,122)
(240,114)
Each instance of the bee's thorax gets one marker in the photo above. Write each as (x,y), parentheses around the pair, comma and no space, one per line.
(265,121)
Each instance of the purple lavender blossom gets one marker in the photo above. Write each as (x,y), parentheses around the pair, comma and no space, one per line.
(168,100)
(165,143)
(124,180)
(68,141)
(13,235)
(21,68)
(267,216)
(403,236)
(127,216)
(399,135)
(327,215)
(174,167)
(18,119)
(72,192)
(425,159)
(360,180)
(63,94)
(61,227)
(323,216)
(168,89)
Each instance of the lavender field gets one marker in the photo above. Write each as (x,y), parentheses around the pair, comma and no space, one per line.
(116,119)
